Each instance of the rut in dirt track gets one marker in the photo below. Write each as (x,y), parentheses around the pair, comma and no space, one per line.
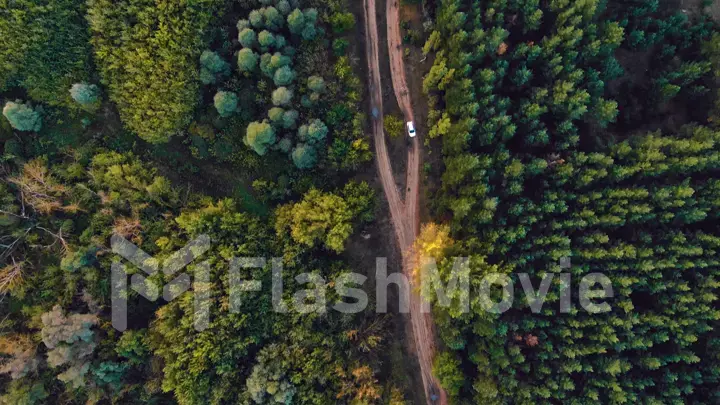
(405,216)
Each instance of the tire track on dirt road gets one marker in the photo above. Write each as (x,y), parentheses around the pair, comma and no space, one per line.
(405,217)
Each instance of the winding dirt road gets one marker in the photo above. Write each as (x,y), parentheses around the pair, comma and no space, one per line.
(405,216)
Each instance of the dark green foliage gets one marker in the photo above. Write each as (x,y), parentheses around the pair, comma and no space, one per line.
(44,47)
(339,46)
(284,76)
(212,67)
(304,156)
(526,182)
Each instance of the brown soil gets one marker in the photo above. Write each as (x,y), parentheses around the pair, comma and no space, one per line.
(404,215)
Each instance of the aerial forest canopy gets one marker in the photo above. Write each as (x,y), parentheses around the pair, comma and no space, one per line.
(561,137)
(582,130)
(160,121)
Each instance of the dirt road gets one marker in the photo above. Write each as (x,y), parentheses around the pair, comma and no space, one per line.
(405,216)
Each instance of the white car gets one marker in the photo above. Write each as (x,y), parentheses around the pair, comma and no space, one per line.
(411,129)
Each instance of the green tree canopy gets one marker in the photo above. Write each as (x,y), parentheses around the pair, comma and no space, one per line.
(273,19)
(319,218)
(313,133)
(260,136)
(85,94)
(304,156)
(281,96)
(342,22)
(284,76)
(290,118)
(316,84)
(266,39)
(248,38)
(45,47)
(22,116)
(225,103)
(150,67)
(212,66)
(247,60)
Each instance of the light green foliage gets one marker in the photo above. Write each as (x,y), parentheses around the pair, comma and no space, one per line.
(126,177)
(284,76)
(44,47)
(326,217)
(447,368)
(212,66)
(132,346)
(256,19)
(319,218)
(296,21)
(260,136)
(394,126)
(231,339)
(150,67)
(273,19)
(22,116)
(242,24)
(275,115)
(316,84)
(360,198)
(247,60)
(282,96)
(304,156)
(266,39)
(225,103)
(248,38)
(606,111)
(85,94)
(24,392)
(342,22)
